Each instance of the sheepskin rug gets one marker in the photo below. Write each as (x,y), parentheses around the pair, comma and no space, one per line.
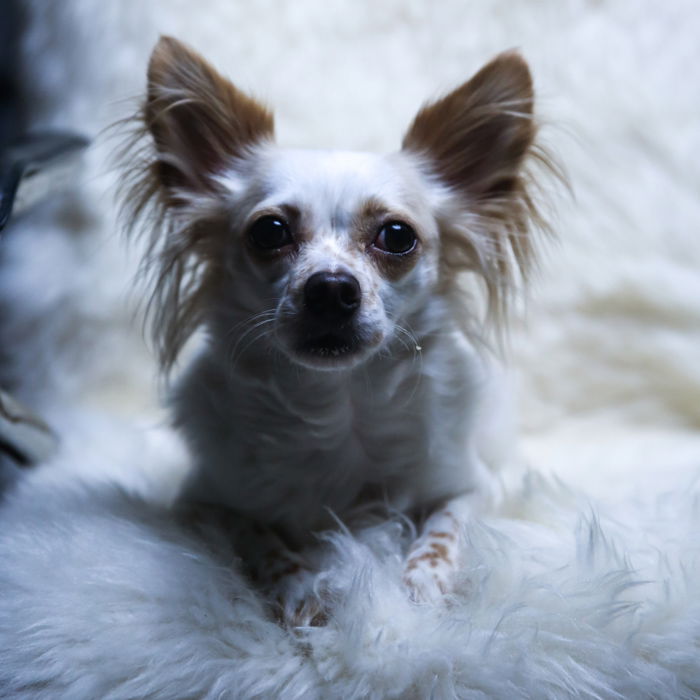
(585,584)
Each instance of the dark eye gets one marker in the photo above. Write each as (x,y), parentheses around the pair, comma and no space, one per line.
(395,237)
(270,233)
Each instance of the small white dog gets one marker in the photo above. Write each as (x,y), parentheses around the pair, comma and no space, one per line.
(340,367)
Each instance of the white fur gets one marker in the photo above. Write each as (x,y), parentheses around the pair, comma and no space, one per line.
(106,596)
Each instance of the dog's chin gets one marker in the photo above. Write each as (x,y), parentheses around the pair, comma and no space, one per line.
(330,351)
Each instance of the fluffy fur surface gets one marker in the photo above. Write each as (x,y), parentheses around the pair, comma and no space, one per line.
(105,596)
(585,591)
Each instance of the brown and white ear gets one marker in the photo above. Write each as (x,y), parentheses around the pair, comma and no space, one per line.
(476,141)
(199,120)
(476,137)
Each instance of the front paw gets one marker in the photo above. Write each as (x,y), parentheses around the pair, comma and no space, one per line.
(429,568)
(297,602)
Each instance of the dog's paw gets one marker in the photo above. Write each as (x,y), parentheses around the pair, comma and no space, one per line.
(297,602)
(308,612)
(430,567)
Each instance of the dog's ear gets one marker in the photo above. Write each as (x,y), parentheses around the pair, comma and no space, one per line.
(199,120)
(479,141)
(477,136)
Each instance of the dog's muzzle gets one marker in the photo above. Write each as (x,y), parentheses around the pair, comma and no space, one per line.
(332,297)
(331,301)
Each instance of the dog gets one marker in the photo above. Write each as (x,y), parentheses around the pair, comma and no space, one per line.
(342,363)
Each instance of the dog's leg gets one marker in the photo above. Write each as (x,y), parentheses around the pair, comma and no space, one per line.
(297,600)
(287,579)
(437,553)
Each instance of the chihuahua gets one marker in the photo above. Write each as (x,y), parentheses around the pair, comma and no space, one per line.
(342,361)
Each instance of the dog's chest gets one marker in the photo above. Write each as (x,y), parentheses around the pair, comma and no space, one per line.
(329,449)
(292,453)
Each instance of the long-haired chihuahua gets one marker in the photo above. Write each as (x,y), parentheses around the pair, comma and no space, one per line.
(342,364)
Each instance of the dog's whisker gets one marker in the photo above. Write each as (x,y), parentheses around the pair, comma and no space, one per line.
(269,313)
(411,343)
(251,341)
(251,337)
(235,352)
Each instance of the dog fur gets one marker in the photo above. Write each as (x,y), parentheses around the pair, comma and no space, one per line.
(295,424)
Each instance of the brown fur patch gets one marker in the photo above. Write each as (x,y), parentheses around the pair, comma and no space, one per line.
(443,535)
(430,557)
(478,135)
(292,217)
(366,225)
(440,550)
(198,116)
(198,122)
(478,140)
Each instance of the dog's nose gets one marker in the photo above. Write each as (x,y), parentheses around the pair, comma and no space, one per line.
(332,295)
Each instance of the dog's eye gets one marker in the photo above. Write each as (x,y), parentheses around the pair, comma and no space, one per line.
(269,233)
(395,237)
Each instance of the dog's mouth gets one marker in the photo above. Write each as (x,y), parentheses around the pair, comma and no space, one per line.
(326,346)
(329,346)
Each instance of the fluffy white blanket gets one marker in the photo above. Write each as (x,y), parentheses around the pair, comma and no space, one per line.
(585,585)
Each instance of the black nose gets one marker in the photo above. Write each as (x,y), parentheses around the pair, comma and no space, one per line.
(332,296)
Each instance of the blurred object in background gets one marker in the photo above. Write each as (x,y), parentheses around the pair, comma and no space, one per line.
(72,357)
(24,438)
(10,27)
(32,166)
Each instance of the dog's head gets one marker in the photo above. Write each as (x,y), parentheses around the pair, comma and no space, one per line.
(327,256)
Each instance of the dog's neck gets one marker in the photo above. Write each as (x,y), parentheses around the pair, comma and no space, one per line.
(298,388)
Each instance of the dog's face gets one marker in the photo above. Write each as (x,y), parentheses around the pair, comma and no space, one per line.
(329,256)
(330,251)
